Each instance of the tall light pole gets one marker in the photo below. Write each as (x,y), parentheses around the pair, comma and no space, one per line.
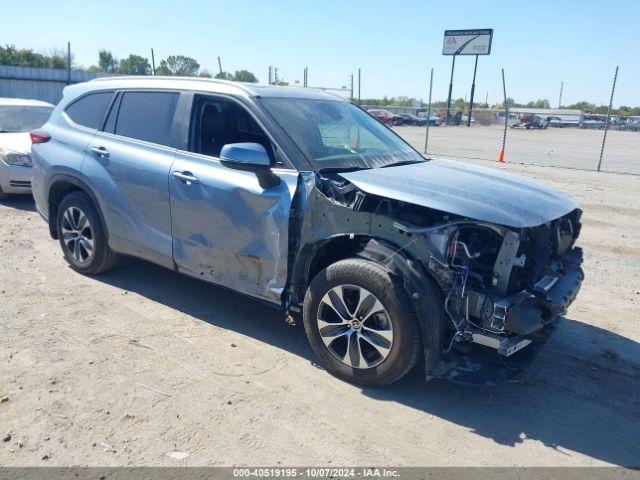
(453,66)
(560,97)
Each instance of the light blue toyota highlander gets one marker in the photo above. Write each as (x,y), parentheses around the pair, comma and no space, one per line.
(306,202)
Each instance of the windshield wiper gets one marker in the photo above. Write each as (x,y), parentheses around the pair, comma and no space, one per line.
(404,162)
(341,169)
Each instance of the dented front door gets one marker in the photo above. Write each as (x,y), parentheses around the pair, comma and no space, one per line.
(227,229)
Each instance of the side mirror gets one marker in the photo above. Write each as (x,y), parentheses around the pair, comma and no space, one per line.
(250,157)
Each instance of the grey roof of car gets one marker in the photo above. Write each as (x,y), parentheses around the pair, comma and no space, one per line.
(209,85)
(23,102)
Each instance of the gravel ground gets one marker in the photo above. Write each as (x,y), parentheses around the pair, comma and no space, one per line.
(127,367)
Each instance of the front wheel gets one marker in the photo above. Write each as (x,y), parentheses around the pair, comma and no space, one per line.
(360,323)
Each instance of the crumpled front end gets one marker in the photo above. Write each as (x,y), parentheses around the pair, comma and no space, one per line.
(508,287)
(502,285)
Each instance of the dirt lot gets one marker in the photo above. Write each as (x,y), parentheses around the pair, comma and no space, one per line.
(563,147)
(124,368)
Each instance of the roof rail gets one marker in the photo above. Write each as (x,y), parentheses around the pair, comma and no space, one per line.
(170,77)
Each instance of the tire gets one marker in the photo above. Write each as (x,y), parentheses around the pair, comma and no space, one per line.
(3,195)
(380,346)
(82,236)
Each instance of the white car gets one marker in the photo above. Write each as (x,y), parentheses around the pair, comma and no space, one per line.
(17,118)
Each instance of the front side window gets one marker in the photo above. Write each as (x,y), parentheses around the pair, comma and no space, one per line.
(338,135)
(147,116)
(219,121)
(88,111)
(22,118)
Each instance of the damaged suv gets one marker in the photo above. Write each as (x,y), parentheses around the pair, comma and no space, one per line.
(306,202)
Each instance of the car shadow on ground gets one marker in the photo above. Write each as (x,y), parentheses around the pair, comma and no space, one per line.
(19,202)
(580,394)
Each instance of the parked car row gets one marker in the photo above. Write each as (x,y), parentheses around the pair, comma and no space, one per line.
(530,121)
(397,119)
(588,121)
(631,125)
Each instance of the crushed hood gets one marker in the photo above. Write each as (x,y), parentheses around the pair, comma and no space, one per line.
(483,194)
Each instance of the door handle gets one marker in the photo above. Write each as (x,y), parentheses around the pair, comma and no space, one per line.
(186,177)
(100,152)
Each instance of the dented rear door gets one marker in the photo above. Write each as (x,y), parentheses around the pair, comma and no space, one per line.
(229,230)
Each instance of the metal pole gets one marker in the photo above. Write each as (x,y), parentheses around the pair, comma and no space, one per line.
(453,64)
(486,100)
(68,63)
(560,97)
(606,125)
(351,87)
(426,138)
(473,89)
(220,65)
(506,113)
(153,63)
(359,85)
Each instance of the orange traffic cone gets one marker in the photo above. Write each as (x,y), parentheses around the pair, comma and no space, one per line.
(501,156)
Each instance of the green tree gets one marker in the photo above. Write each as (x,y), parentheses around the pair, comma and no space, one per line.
(458,104)
(107,62)
(134,65)
(583,105)
(224,76)
(539,104)
(625,111)
(178,65)
(205,74)
(10,55)
(245,76)
(58,61)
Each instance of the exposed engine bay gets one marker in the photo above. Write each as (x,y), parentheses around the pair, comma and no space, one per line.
(502,285)
(508,285)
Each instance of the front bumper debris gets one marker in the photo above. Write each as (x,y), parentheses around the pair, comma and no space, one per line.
(525,319)
(522,316)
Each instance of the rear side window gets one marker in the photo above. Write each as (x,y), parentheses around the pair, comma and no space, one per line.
(147,116)
(89,110)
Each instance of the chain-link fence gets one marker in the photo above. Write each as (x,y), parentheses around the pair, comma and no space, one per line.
(558,137)
(567,147)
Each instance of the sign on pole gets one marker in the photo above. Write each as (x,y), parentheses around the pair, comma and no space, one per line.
(467,42)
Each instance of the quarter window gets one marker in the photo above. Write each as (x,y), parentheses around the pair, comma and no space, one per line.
(147,116)
(89,110)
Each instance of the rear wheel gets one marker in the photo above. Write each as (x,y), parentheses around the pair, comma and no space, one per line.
(82,235)
(360,323)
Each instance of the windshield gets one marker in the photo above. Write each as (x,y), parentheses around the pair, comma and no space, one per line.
(22,118)
(338,135)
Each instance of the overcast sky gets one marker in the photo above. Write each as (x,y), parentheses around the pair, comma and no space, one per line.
(395,43)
